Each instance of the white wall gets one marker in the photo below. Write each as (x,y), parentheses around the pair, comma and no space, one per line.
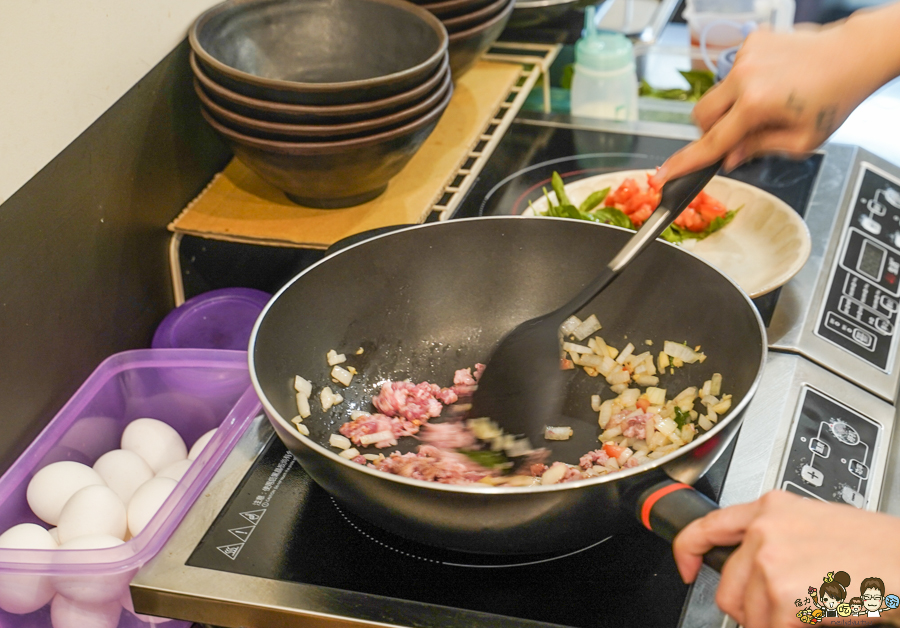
(64,62)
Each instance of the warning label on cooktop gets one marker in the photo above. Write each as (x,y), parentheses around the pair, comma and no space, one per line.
(240,534)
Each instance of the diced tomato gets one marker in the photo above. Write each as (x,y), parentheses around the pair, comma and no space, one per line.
(643,403)
(641,215)
(612,450)
(691,220)
(639,203)
(623,193)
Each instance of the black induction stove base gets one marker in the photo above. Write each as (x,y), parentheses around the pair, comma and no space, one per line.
(280,525)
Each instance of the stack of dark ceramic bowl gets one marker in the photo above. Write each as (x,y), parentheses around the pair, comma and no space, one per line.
(473,25)
(326,100)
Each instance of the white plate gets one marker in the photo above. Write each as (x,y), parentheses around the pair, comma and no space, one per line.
(765,245)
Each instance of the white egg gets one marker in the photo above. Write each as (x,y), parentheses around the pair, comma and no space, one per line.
(92,510)
(66,613)
(156,442)
(55,534)
(146,501)
(201,443)
(52,486)
(20,594)
(176,471)
(94,588)
(123,471)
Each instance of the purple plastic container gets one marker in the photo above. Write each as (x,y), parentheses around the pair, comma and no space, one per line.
(124,387)
(218,319)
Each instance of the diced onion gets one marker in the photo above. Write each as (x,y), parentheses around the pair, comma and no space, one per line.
(626,352)
(302,386)
(619,388)
(342,375)
(681,352)
(629,397)
(554,474)
(656,396)
(303,405)
(667,426)
(339,441)
(595,403)
(355,414)
(368,439)
(586,328)
(327,398)
(606,410)
(619,376)
(334,357)
(373,457)
(723,406)
(589,359)
(607,366)
(715,387)
(557,433)
(301,428)
(704,423)
(571,347)
(349,454)
(569,325)
(646,380)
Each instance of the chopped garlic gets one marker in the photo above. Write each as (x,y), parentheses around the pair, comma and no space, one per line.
(334,357)
(303,405)
(339,441)
(302,386)
(342,375)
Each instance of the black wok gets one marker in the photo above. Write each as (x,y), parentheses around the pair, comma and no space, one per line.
(425,301)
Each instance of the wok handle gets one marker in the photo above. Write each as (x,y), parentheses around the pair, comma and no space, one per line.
(667,507)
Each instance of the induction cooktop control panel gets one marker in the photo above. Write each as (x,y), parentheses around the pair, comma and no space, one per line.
(832,451)
(860,310)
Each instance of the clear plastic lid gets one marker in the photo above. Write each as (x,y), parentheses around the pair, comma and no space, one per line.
(602,51)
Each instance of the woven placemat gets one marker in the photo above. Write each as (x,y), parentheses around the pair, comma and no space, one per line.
(238,206)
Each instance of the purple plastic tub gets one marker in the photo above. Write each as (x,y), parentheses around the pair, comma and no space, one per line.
(172,385)
(218,319)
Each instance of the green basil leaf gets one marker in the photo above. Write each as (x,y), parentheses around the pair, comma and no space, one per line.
(569,211)
(681,417)
(593,200)
(485,457)
(613,216)
(557,183)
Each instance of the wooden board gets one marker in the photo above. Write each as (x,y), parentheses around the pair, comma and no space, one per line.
(238,206)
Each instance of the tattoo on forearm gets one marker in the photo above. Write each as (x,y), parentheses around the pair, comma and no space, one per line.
(794,105)
(825,119)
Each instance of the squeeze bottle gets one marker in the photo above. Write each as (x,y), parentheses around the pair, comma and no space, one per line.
(605,82)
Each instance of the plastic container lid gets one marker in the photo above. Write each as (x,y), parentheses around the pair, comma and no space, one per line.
(218,319)
(602,51)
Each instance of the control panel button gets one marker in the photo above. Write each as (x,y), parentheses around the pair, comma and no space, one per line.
(888,303)
(870,224)
(858,469)
(811,475)
(852,497)
(864,338)
(820,448)
(844,432)
(883,325)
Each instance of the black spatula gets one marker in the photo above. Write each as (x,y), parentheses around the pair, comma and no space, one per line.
(522,387)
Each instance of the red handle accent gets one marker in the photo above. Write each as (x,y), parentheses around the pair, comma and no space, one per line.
(655,497)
